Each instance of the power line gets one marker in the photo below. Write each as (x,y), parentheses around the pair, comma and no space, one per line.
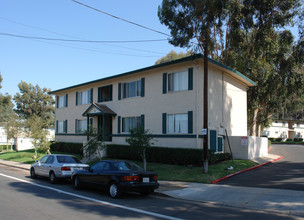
(81,41)
(116,17)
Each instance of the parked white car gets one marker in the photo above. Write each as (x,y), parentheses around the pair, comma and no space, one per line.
(56,166)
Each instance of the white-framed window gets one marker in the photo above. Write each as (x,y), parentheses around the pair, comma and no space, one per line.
(178,81)
(129,123)
(81,125)
(61,126)
(84,97)
(62,101)
(131,89)
(178,123)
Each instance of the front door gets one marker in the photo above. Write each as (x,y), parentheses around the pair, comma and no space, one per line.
(105,127)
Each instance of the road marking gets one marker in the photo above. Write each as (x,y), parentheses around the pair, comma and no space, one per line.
(94,200)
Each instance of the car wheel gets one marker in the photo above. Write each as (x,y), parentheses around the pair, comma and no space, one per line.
(52,177)
(77,182)
(114,190)
(33,174)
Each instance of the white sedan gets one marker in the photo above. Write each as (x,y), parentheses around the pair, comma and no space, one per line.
(56,166)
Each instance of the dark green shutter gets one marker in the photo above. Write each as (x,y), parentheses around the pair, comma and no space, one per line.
(76,126)
(99,95)
(190,78)
(190,122)
(164,123)
(76,98)
(142,122)
(118,124)
(91,95)
(119,91)
(164,83)
(66,100)
(65,126)
(57,101)
(56,126)
(142,87)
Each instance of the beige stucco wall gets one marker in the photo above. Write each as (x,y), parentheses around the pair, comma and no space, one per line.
(227,104)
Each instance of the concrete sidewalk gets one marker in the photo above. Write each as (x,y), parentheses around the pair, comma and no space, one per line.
(286,201)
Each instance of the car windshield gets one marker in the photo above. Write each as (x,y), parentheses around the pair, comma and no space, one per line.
(67,159)
(124,165)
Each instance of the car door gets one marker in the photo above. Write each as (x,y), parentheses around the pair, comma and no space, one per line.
(48,165)
(92,176)
(40,165)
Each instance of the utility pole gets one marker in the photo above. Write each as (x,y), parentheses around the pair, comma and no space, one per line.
(206,104)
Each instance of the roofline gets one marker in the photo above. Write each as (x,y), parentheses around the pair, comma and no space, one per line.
(185,59)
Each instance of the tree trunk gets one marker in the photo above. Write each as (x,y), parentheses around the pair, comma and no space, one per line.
(258,129)
(253,127)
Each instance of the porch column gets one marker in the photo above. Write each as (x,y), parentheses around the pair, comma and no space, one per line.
(103,127)
(88,124)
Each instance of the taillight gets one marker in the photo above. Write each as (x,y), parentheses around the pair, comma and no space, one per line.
(66,168)
(155,178)
(131,178)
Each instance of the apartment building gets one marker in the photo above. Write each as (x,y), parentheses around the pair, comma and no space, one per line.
(166,99)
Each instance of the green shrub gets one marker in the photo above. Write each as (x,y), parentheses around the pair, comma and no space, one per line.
(74,148)
(1,147)
(298,139)
(179,156)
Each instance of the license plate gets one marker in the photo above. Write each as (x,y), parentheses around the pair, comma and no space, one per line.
(146,179)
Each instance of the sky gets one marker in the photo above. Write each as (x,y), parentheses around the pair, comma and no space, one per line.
(55,64)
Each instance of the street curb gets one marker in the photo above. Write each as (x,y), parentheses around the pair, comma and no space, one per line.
(15,166)
(243,171)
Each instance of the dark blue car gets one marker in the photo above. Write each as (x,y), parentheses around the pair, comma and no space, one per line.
(116,177)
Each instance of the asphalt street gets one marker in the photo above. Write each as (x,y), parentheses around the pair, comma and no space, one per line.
(287,173)
(24,198)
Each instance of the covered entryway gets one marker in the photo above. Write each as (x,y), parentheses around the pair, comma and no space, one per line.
(103,117)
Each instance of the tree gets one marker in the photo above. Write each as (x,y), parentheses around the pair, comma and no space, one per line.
(35,107)
(141,140)
(198,20)
(258,46)
(35,101)
(172,56)
(1,81)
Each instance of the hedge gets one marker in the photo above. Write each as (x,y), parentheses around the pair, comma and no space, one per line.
(180,156)
(75,148)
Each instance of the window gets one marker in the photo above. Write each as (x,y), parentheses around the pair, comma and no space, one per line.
(178,123)
(131,89)
(81,125)
(84,97)
(178,81)
(62,101)
(61,126)
(130,123)
(105,93)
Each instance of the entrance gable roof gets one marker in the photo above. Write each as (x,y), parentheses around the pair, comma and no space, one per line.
(98,109)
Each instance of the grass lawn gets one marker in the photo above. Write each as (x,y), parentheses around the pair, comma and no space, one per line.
(164,171)
(26,156)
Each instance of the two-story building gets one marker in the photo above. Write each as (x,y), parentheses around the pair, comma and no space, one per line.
(166,99)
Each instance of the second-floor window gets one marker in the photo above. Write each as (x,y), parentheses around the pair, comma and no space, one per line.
(105,93)
(62,101)
(131,89)
(84,97)
(178,81)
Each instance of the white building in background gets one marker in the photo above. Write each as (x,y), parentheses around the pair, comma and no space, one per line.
(285,129)
(22,142)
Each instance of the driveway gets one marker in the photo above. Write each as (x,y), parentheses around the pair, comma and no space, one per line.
(287,173)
